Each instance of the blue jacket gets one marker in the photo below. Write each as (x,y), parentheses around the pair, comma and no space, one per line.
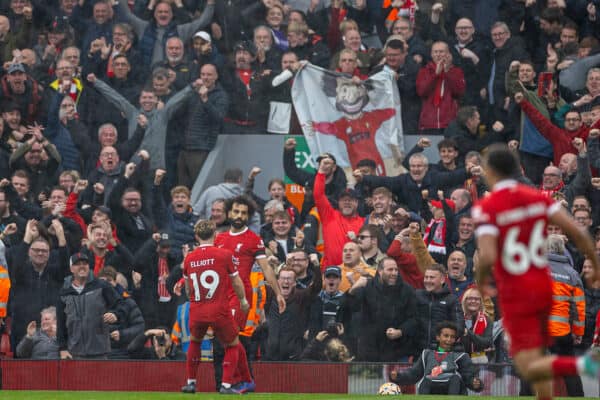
(60,136)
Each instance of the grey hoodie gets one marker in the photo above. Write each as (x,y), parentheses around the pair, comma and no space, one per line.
(156,132)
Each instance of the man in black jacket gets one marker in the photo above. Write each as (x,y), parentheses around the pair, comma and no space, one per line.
(314,51)
(133,218)
(286,330)
(388,314)
(123,333)
(506,50)
(246,87)
(36,275)
(469,52)
(435,304)
(209,106)
(154,261)
(406,69)
(465,131)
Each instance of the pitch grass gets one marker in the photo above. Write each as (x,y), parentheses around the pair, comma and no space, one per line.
(56,395)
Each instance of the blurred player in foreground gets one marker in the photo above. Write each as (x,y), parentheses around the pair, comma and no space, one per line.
(511,233)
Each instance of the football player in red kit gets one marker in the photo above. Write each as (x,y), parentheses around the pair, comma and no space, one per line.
(247,248)
(511,234)
(210,274)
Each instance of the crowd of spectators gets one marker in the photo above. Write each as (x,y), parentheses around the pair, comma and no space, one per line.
(109,109)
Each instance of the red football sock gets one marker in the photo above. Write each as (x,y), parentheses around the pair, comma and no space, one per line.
(243,369)
(230,362)
(193,360)
(564,366)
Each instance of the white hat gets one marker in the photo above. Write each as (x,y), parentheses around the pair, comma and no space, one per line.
(204,36)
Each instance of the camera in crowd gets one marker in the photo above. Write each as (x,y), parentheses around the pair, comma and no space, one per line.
(334,329)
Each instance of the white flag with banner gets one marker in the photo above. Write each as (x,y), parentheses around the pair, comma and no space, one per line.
(349,118)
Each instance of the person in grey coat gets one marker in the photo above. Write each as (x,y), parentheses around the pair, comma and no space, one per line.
(153,34)
(40,344)
(209,107)
(85,309)
(156,131)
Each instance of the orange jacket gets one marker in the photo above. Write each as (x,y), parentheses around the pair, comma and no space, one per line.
(4,290)
(568,299)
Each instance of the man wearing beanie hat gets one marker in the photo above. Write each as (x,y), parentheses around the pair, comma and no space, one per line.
(246,86)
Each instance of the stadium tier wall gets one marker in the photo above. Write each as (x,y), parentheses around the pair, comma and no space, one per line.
(167,376)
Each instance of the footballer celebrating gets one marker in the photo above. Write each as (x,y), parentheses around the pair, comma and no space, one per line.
(210,274)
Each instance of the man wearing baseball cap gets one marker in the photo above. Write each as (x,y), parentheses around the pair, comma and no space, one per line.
(20,88)
(82,326)
(328,303)
(341,225)
(205,52)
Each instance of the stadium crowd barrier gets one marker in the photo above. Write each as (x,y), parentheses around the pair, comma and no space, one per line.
(168,376)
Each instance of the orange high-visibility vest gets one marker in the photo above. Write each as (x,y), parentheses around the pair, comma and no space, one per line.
(259,297)
(4,290)
(320,245)
(564,318)
(393,15)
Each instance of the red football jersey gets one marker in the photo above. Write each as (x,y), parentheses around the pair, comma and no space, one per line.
(247,247)
(208,270)
(517,215)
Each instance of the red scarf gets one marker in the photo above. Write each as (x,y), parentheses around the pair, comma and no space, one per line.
(436,240)
(550,192)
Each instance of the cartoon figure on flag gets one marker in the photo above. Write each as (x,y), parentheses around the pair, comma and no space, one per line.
(364,115)
(357,127)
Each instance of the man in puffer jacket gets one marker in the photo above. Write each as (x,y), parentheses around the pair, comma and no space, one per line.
(388,314)
(123,333)
(435,304)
